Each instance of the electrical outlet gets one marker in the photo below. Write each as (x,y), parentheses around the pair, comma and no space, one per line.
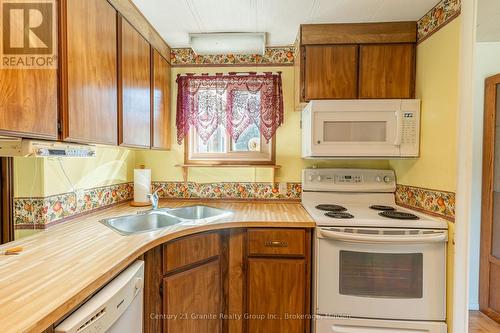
(282,188)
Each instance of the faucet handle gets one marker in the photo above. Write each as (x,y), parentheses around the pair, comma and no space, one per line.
(154,198)
(161,187)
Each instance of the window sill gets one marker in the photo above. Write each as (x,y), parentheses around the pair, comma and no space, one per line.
(186,167)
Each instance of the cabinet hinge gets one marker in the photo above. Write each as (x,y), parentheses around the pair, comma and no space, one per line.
(59,127)
(161,289)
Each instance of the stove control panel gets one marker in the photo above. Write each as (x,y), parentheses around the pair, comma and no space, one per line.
(343,179)
(348,180)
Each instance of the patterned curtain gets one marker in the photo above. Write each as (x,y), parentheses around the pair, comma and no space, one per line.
(234,101)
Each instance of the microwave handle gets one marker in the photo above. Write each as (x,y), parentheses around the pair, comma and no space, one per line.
(360,238)
(399,127)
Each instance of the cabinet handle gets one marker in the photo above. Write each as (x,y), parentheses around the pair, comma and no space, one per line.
(276,244)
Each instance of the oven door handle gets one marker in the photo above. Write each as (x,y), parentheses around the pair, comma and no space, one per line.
(361,238)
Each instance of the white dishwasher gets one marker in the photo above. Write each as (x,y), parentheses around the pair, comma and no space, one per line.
(116,308)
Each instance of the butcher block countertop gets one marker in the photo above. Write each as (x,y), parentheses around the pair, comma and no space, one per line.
(63,265)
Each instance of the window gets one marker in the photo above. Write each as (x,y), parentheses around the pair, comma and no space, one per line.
(229,119)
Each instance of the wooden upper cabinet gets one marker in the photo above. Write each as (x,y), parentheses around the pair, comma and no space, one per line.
(387,71)
(161,103)
(28,103)
(355,60)
(28,96)
(89,72)
(135,84)
(331,71)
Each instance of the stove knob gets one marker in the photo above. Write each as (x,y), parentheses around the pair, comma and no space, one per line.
(311,178)
(378,179)
(387,179)
(319,178)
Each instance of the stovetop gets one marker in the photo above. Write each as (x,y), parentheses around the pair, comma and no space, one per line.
(358,213)
(351,192)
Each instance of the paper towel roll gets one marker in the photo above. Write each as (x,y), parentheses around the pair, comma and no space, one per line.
(142,185)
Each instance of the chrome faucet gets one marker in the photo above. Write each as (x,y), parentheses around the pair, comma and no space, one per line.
(153,198)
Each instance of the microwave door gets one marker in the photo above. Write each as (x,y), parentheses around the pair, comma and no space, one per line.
(357,133)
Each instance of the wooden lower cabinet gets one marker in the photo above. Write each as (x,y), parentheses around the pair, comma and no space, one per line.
(228,281)
(192,300)
(276,292)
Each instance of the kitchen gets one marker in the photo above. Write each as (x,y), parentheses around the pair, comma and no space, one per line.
(277,111)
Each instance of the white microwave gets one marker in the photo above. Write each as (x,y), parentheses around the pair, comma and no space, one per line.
(361,128)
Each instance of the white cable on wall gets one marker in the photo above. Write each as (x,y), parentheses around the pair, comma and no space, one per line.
(33,217)
(73,190)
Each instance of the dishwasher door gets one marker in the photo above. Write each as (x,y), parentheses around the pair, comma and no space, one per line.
(117,307)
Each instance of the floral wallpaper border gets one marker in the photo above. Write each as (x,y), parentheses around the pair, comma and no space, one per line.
(51,210)
(272,56)
(443,13)
(248,191)
(428,201)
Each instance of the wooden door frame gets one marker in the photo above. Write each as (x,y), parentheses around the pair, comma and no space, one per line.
(6,199)
(490,106)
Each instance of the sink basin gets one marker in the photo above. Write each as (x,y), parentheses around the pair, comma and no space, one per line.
(132,224)
(198,212)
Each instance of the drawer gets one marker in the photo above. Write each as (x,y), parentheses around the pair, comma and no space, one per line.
(190,250)
(287,242)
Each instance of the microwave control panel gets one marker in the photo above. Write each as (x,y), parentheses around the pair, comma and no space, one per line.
(410,123)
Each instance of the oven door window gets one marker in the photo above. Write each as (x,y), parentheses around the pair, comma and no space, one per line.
(384,275)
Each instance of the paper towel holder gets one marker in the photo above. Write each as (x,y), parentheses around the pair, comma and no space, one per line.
(140,204)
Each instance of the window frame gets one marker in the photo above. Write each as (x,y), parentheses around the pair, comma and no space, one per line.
(229,158)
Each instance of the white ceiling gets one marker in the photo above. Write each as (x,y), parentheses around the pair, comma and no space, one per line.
(280,19)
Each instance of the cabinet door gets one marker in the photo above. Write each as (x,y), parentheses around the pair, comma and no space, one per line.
(387,71)
(331,71)
(28,96)
(135,110)
(192,300)
(89,86)
(28,102)
(161,103)
(276,289)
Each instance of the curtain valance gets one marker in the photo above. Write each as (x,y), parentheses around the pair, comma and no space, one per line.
(234,101)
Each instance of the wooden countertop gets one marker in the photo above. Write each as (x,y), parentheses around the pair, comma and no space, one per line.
(63,265)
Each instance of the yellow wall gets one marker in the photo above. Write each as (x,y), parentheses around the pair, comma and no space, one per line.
(41,177)
(437,87)
(287,143)
(28,177)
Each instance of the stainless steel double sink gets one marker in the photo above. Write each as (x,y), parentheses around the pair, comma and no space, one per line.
(163,218)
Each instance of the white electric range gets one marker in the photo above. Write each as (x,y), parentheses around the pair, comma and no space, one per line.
(378,267)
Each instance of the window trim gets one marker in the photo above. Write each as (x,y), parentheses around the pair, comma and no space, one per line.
(228,161)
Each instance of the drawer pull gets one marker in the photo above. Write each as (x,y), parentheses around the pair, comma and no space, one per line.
(276,244)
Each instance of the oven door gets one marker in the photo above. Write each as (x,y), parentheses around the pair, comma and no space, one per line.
(357,133)
(381,273)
